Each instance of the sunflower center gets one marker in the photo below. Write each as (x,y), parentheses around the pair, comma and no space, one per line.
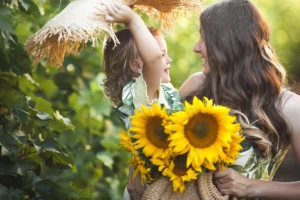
(156,133)
(201,130)
(180,165)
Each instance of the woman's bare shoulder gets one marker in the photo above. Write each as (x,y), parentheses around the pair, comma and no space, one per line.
(291,114)
(192,83)
(291,110)
(290,101)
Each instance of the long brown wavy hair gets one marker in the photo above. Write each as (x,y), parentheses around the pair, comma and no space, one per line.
(245,74)
(117,60)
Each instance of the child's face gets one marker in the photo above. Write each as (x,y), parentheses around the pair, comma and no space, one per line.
(165,76)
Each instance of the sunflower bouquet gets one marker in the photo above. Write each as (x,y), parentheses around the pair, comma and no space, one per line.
(183,144)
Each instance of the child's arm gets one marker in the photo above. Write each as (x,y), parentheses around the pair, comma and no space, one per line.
(146,45)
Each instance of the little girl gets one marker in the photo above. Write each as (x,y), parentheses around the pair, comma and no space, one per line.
(137,69)
(137,72)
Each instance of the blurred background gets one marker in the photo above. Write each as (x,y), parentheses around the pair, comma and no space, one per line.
(59,134)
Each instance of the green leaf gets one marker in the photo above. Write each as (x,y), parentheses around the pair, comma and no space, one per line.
(6,20)
(3,52)
(29,7)
(73,100)
(60,125)
(111,141)
(3,191)
(9,145)
(58,175)
(18,60)
(23,167)
(7,166)
(61,158)
(7,1)
(9,78)
(21,114)
(10,193)
(27,85)
(33,155)
(101,107)
(43,106)
(82,194)
(72,138)
(22,139)
(10,97)
(106,158)
(46,85)
(43,116)
(47,145)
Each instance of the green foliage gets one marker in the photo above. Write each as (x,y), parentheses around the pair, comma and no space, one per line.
(58,133)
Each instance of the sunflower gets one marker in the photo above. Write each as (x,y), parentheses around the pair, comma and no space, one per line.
(177,171)
(202,131)
(149,134)
(232,151)
(140,168)
(125,141)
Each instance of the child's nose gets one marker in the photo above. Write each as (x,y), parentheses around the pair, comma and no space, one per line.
(169,60)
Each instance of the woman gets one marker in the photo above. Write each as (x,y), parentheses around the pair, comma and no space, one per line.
(240,70)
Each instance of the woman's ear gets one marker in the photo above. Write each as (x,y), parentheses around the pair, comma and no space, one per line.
(136,66)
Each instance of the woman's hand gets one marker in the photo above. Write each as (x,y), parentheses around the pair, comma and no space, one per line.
(119,13)
(134,187)
(230,182)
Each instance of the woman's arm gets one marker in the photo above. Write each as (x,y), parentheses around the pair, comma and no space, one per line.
(232,183)
(146,44)
(191,84)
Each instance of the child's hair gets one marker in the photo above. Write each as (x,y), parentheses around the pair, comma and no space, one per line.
(117,61)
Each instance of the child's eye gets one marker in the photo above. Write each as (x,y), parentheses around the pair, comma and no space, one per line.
(163,55)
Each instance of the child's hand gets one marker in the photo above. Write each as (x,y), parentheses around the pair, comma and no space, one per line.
(119,13)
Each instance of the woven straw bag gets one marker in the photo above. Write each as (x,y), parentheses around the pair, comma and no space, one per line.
(202,189)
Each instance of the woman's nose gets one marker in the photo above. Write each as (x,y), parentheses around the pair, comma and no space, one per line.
(197,48)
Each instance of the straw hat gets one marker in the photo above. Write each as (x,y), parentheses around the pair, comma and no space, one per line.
(84,20)
(202,189)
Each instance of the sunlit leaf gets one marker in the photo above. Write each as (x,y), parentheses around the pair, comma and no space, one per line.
(61,158)
(43,116)
(106,158)
(33,155)
(44,106)
(48,145)
(59,125)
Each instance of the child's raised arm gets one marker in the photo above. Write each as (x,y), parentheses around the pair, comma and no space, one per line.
(147,47)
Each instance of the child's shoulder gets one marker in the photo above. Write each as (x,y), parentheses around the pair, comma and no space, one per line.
(127,98)
(169,89)
(172,96)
